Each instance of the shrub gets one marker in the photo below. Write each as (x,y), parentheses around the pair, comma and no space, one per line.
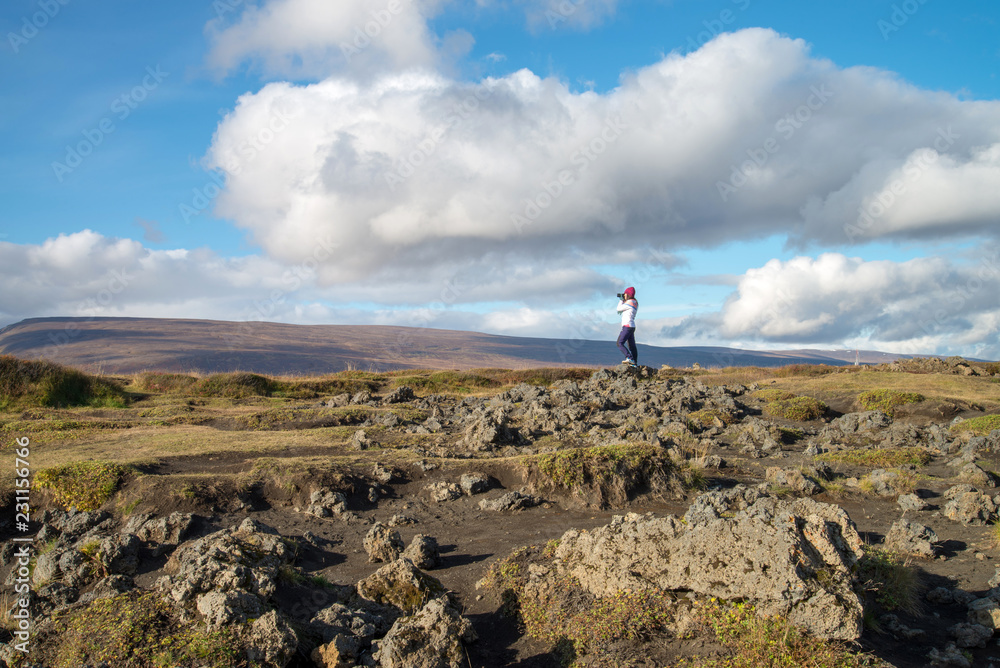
(41,383)
(84,485)
(800,409)
(151,381)
(980,426)
(236,385)
(887,400)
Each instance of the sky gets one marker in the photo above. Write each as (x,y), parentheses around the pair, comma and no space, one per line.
(766,174)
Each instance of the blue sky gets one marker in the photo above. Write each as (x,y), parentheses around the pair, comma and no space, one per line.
(360,190)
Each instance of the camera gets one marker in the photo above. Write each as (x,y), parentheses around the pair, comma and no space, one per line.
(621,296)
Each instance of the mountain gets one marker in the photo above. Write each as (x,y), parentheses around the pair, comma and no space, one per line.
(130,345)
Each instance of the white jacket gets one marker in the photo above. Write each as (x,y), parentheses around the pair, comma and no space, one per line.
(628,309)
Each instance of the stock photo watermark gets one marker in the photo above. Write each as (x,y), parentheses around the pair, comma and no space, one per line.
(32,25)
(370,30)
(408,165)
(121,108)
(900,16)
(20,612)
(247,150)
(581,160)
(716,26)
(876,206)
(91,308)
(784,129)
(986,276)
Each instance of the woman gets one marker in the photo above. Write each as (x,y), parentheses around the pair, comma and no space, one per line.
(628,308)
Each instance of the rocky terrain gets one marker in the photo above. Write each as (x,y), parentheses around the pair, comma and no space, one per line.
(616,517)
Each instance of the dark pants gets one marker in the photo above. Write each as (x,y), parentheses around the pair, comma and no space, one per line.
(628,337)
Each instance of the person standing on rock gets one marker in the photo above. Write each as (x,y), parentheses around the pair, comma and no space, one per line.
(628,307)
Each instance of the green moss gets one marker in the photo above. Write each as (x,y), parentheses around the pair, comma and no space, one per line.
(141,631)
(801,409)
(706,417)
(572,468)
(980,426)
(84,485)
(887,400)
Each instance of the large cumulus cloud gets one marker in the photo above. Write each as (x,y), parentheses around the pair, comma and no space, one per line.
(747,137)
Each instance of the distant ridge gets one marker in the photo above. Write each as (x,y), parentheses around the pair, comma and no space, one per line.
(130,345)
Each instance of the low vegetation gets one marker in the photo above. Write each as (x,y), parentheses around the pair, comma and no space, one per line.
(979,426)
(141,631)
(82,485)
(754,641)
(32,383)
(890,580)
(887,400)
(800,409)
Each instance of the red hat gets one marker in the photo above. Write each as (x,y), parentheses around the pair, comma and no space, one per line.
(630,292)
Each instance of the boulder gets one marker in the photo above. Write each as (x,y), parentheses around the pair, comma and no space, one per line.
(271,641)
(792,558)
(443,491)
(422,551)
(792,479)
(912,502)
(341,652)
(475,483)
(971,508)
(911,538)
(221,609)
(431,638)
(382,543)
(400,395)
(401,585)
(326,503)
(246,558)
(985,612)
(970,635)
(510,501)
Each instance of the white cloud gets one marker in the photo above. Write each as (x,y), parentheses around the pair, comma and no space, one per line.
(316,38)
(747,137)
(567,14)
(918,306)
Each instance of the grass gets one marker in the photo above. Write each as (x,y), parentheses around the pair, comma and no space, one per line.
(890,580)
(755,641)
(31,383)
(83,485)
(879,458)
(141,631)
(979,426)
(887,400)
